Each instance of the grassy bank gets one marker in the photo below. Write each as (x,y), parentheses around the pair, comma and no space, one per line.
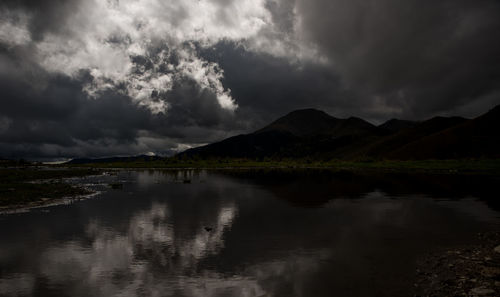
(486,166)
(24,186)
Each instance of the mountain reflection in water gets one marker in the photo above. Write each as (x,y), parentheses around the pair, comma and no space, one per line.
(243,233)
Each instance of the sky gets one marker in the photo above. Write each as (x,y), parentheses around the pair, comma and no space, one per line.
(94,78)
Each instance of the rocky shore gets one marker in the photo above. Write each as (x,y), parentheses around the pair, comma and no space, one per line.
(465,271)
(27,187)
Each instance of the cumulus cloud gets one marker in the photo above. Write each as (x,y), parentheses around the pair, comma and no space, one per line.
(105,36)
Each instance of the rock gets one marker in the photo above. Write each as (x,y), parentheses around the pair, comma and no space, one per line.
(490,271)
(116,186)
(497,249)
(481,291)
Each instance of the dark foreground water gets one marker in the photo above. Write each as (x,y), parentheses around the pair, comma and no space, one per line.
(243,233)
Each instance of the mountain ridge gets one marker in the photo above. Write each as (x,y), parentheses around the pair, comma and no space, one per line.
(313,133)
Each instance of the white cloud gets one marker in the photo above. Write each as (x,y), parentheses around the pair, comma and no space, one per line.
(102,36)
(207,75)
(14,28)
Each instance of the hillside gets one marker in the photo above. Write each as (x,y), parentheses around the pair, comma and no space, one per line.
(301,133)
(396,125)
(476,138)
(113,159)
(312,122)
(385,146)
(311,133)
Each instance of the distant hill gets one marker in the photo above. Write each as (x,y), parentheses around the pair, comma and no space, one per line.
(385,146)
(17,162)
(314,133)
(475,138)
(396,125)
(312,122)
(311,133)
(113,159)
(297,134)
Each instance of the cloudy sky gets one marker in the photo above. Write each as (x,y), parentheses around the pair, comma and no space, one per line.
(123,77)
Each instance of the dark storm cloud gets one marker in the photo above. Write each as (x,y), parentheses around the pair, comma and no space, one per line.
(373,59)
(46,15)
(267,87)
(53,118)
(420,57)
(282,13)
(59,113)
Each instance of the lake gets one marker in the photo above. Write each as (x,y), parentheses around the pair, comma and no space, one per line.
(243,233)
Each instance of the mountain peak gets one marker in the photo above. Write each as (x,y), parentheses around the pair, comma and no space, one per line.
(396,125)
(495,110)
(307,111)
(302,122)
(312,122)
(314,133)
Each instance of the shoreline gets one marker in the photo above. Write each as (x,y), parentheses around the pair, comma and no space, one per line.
(45,202)
(469,270)
(32,187)
(354,169)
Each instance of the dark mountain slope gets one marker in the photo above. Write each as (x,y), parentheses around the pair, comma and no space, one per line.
(396,125)
(114,159)
(312,122)
(298,134)
(385,146)
(304,122)
(472,139)
(313,133)
(253,145)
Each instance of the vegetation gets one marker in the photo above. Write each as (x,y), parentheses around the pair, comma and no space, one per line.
(487,166)
(313,139)
(31,185)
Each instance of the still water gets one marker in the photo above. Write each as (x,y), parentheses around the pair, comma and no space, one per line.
(243,233)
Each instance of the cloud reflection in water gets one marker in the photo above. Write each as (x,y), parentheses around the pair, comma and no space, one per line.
(295,235)
(125,264)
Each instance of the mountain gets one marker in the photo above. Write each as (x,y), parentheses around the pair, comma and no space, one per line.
(384,147)
(475,138)
(396,125)
(300,133)
(312,122)
(305,122)
(315,134)
(245,146)
(114,159)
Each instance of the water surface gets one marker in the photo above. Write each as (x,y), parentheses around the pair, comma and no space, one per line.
(243,233)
